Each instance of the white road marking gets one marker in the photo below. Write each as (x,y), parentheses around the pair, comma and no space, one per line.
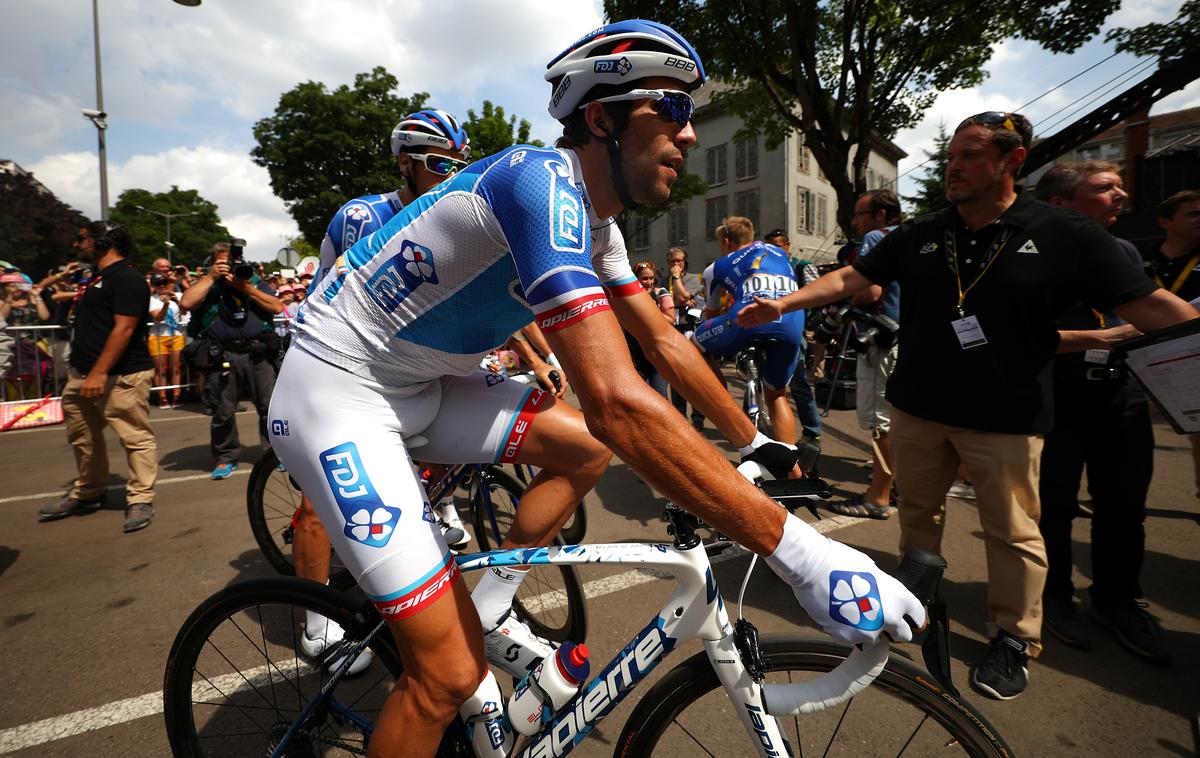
(151,704)
(243,469)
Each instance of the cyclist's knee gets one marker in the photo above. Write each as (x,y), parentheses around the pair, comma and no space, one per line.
(436,697)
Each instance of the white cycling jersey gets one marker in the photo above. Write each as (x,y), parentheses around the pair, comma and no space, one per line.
(456,272)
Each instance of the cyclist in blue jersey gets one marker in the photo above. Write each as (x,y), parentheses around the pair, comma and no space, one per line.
(526,234)
(748,269)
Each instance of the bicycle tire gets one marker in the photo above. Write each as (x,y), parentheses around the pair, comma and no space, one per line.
(575,529)
(901,685)
(271,503)
(550,599)
(236,664)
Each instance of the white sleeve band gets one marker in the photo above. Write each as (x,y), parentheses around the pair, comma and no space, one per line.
(800,550)
(759,440)
(552,359)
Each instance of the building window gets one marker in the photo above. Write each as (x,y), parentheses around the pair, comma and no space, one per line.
(714,168)
(715,211)
(746,204)
(872,180)
(677,226)
(822,213)
(746,158)
(641,232)
(804,210)
(803,155)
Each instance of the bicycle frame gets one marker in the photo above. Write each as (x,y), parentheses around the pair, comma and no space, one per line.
(694,610)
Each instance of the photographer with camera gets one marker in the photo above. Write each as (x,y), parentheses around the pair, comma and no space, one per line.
(235,345)
(875,214)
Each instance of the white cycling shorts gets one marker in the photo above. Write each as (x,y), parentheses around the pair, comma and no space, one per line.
(343,438)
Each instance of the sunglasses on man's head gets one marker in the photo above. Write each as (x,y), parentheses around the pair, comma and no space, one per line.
(672,105)
(439,164)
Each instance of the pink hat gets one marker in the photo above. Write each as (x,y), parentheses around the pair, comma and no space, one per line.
(11,279)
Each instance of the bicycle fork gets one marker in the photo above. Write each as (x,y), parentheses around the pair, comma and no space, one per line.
(745,693)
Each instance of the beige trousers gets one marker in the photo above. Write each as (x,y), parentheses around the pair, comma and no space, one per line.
(125,405)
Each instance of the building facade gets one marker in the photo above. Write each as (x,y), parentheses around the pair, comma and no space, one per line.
(777,188)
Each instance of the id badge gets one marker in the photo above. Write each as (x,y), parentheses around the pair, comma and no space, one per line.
(1097,356)
(969,332)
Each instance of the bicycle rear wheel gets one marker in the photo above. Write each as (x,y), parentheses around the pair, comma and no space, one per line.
(903,713)
(237,679)
(271,503)
(550,598)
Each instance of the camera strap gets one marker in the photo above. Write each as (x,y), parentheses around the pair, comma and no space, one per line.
(989,258)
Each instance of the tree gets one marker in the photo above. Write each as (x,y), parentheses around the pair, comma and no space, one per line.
(932,195)
(490,133)
(846,73)
(36,228)
(323,148)
(685,188)
(1167,41)
(192,235)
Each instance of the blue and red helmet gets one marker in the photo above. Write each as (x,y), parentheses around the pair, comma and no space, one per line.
(430,128)
(620,53)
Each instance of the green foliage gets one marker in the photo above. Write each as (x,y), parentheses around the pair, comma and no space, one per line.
(932,193)
(306,249)
(846,72)
(491,133)
(192,235)
(1168,41)
(36,228)
(323,148)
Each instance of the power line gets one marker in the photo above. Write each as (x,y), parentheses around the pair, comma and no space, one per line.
(1129,74)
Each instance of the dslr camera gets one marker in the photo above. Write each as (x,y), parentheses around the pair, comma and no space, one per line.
(870,329)
(237,260)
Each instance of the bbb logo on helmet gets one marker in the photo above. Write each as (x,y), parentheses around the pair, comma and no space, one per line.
(682,64)
(561,90)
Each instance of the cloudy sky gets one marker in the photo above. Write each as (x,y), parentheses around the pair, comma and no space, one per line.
(184,86)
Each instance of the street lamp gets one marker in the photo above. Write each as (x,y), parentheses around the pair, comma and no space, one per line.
(168,217)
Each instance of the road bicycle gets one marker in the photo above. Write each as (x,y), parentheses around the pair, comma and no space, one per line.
(550,599)
(236,685)
(749,364)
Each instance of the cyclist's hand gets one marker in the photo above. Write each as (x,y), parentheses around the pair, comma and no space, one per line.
(546,381)
(780,458)
(855,601)
(760,312)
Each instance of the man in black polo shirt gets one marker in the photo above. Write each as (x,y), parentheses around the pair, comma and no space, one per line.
(233,310)
(982,284)
(109,380)
(1175,265)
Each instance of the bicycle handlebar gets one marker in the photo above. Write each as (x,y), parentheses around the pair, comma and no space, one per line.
(919,571)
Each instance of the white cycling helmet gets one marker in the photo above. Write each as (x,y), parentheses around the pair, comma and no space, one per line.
(430,128)
(625,51)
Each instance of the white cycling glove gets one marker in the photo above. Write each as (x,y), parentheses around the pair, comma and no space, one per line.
(850,597)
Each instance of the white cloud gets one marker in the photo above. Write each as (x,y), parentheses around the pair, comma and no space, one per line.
(228,178)
(1133,14)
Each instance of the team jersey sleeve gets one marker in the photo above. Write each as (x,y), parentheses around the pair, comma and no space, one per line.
(611,261)
(543,218)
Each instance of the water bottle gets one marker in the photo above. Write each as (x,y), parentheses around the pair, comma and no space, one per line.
(486,726)
(548,687)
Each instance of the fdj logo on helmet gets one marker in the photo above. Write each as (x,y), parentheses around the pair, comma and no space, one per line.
(680,63)
(403,273)
(621,66)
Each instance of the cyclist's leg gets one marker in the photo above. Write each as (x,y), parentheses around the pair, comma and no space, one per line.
(778,368)
(310,544)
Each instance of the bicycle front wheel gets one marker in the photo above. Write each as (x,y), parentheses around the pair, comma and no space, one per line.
(903,713)
(550,599)
(272,501)
(238,678)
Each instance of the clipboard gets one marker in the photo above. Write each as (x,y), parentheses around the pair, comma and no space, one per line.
(1167,364)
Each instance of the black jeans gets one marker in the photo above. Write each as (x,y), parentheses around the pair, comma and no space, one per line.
(1104,425)
(248,374)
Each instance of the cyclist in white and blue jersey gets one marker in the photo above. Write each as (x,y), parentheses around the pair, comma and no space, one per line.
(526,234)
(748,269)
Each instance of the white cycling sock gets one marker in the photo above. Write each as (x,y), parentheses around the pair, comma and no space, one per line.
(315,625)
(493,597)
(800,549)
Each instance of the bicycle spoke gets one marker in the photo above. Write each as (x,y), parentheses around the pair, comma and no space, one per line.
(688,732)
(841,720)
(913,736)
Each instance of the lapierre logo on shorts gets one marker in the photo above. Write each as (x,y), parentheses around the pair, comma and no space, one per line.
(854,600)
(279,427)
(566,211)
(404,272)
(367,520)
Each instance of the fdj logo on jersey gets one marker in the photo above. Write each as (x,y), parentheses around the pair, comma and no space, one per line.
(367,519)
(279,427)
(854,600)
(403,273)
(566,211)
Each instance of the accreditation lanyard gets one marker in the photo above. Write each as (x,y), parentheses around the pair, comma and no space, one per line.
(1183,275)
(985,265)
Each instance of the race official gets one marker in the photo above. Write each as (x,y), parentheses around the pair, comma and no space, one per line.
(983,283)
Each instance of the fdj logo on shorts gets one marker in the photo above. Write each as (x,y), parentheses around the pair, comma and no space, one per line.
(854,600)
(566,211)
(402,274)
(368,520)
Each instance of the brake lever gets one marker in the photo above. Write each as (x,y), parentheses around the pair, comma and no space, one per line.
(921,572)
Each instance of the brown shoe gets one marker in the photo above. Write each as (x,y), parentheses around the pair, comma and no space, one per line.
(69,506)
(138,516)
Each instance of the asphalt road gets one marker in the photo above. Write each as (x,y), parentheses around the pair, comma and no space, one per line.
(89,613)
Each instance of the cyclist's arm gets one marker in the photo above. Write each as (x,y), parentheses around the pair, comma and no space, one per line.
(639,425)
(684,368)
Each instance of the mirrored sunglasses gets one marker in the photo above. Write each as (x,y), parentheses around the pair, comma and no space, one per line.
(441,165)
(672,105)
